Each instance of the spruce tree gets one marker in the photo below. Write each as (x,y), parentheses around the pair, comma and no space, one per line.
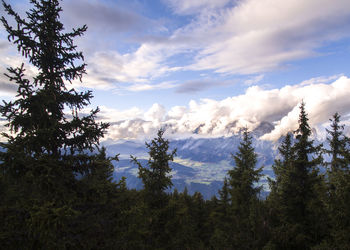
(298,191)
(282,165)
(156,180)
(46,149)
(337,143)
(156,176)
(307,200)
(281,188)
(244,194)
(338,184)
(221,219)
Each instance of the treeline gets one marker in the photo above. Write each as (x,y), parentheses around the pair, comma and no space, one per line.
(56,192)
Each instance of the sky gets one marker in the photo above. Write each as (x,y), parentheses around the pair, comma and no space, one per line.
(210,66)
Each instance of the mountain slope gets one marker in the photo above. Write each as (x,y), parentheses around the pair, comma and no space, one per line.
(201,163)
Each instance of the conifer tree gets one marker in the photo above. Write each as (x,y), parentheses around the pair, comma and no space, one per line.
(282,165)
(297,192)
(339,184)
(244,176)
(281,188)
(156,180)
(155,177)
(221,219)
(337,142)
(46,148)
(306,202)
(244,191)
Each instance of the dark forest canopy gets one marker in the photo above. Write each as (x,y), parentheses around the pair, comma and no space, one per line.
(57,190)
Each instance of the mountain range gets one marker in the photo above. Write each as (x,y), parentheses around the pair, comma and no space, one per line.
(201,164)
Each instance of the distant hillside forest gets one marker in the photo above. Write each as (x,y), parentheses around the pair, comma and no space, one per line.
(57,189)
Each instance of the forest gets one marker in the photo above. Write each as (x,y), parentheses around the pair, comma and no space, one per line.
(56,182)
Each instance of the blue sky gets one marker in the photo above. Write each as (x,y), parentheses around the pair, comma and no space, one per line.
(213,64)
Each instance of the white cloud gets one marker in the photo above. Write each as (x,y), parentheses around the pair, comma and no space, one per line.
(254,80)
(144,86)
(109,69)
(213,118)
(155,114)
(223,118)
(250,37)
(321,79)
(262,35)
(228,37)
(322,101)
(131,123)
(112,115)
(194,6)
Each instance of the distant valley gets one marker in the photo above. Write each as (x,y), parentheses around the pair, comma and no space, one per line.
(201,164)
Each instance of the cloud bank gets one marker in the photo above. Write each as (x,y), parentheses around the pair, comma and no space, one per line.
(323,97)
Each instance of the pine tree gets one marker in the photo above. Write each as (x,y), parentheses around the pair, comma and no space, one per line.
(338,184)
(297,192)
(46,148)
(221,219)
(307,204)
(281,166)
(156,180)
(337,142)
(281,188)
(37,115)
(244,193)
(155,177)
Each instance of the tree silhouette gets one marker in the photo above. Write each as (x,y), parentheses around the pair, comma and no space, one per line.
(47,149)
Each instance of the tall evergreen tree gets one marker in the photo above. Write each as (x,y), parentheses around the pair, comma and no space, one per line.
(308,208)
(339,184)
(281,188)
(244,194)
(221,219)
(156,176)
(337,143)
(156,180)
(46,148)
(281,166)
(37,115)
(297,192)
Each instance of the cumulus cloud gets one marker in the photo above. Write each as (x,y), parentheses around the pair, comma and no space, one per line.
(322,101)
(212,118)
(155,114)
(226,117)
